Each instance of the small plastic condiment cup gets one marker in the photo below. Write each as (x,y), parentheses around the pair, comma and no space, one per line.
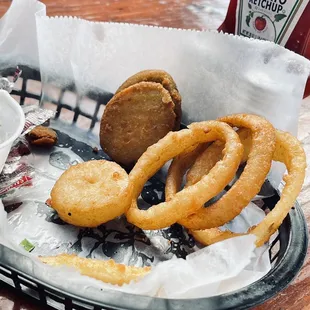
(12,121)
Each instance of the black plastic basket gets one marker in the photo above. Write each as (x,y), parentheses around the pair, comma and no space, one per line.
(287,251)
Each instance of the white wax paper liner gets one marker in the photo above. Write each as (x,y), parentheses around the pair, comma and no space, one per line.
(216,74)
(213,270)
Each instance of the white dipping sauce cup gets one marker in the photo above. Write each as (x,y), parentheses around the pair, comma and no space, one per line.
(12,121)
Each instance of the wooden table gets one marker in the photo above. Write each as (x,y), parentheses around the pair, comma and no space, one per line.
(182,14)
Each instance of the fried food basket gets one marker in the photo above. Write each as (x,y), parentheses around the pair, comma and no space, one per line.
(287,252)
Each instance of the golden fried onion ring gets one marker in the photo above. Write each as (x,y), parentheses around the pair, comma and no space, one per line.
(184,162)
(190,199)
(91,193)
(208,158)
(248,185)
(290,152)
(107,271)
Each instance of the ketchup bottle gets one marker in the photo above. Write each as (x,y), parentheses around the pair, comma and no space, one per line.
(285,22)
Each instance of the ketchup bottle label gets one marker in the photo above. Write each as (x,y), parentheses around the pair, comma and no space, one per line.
(272,20)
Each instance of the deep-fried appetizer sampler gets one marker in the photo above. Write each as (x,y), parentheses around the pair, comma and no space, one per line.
(134,119)
(210,152)
(248,185)
(107,271)
(190,199)
(163,78)
(42,136)
(91,193)
(290,152)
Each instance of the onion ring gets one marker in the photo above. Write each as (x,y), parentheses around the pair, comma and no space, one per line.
(107,271)
(248,185)
(290,152)
(184,162)
(210,157)
(204,162)
(190,199)
(91,193)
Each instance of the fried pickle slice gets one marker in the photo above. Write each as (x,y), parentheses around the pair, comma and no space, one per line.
(134,119)
(163,78)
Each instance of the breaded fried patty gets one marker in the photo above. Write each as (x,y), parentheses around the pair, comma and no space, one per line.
(163,78)
(134,119)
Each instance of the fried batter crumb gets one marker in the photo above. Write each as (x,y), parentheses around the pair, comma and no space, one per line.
(42,136)
(48,202)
